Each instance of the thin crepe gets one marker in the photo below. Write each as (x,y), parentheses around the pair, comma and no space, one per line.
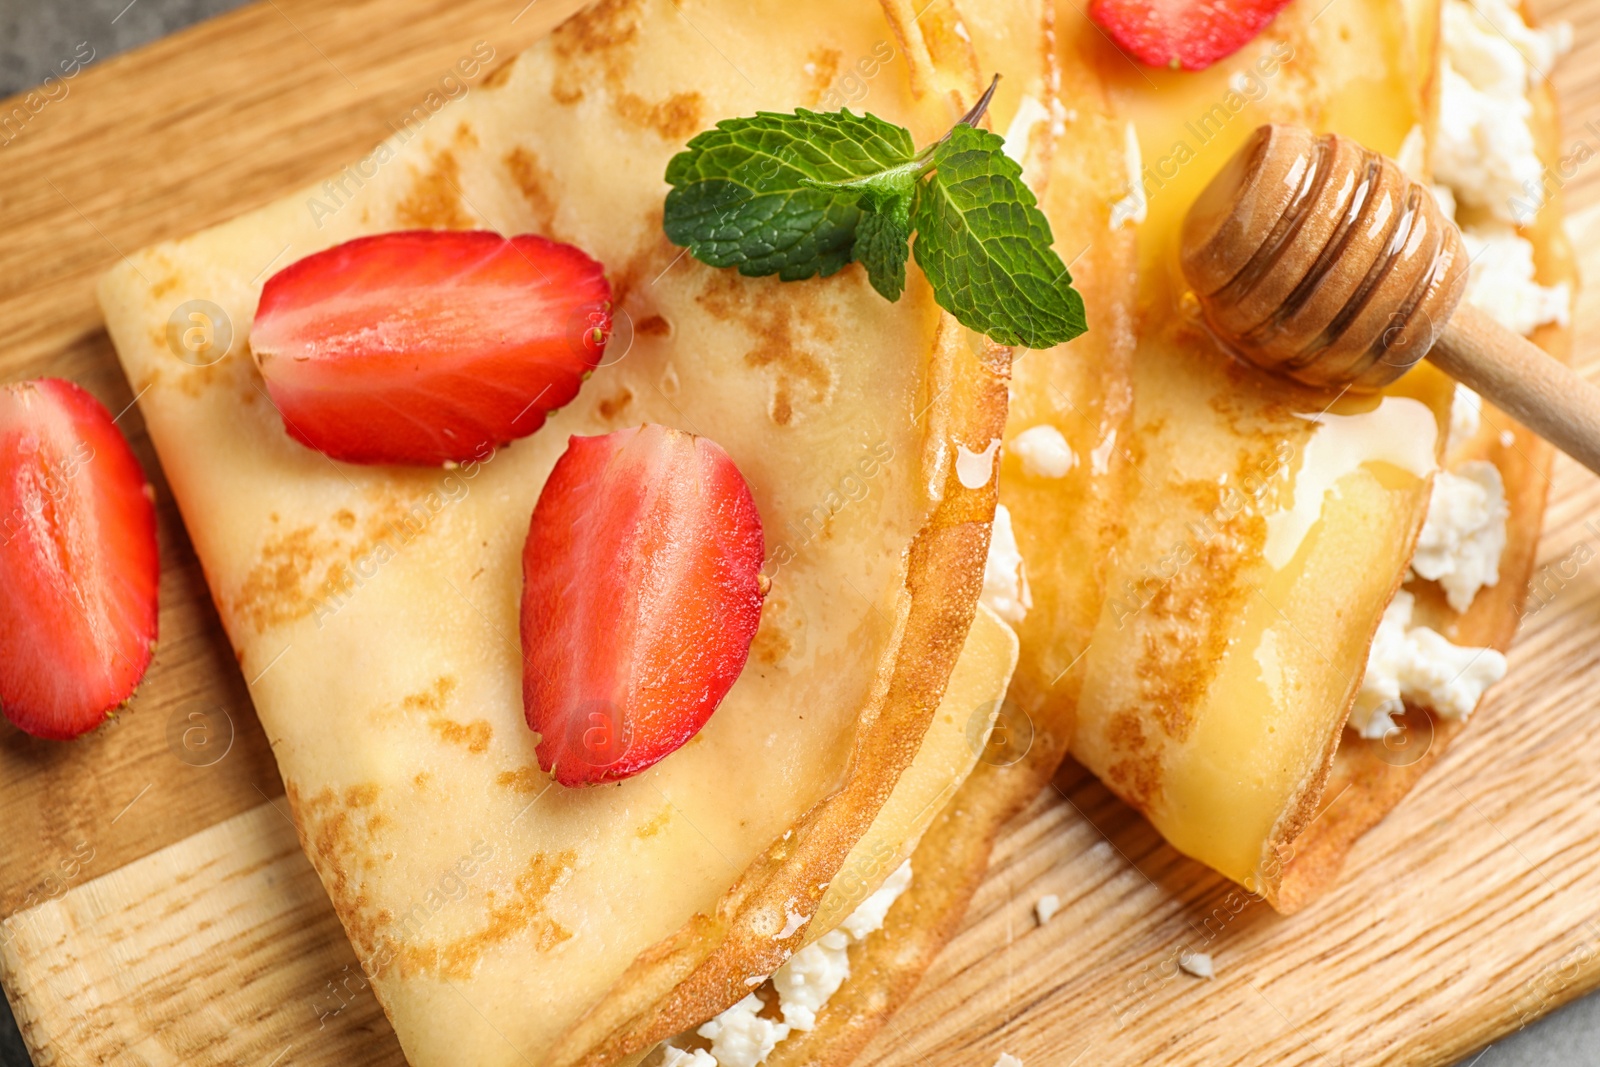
(1271,525)
(374,609)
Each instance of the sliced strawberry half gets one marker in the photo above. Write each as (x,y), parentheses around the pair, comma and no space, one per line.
(1183,34)
(641,592)
(78,562)
(429,346)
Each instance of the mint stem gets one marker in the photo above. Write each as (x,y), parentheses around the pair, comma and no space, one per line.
(969,119)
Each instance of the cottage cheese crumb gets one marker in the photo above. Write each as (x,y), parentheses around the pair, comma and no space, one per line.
(1500,280)
(1540,48)
(1045,908)
(1044,452)
(1465,532)
(1485,148)
(870,913)
(1007,1060)
(814,974)
(740,1037)
(1005,582)
(811,977)
(1198,964)
(677,1057)
(1418,664)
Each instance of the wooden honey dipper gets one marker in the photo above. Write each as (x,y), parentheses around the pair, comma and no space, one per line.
(1315,258)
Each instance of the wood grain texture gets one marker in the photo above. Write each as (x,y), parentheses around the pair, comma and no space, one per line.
(219,949)
(172,918)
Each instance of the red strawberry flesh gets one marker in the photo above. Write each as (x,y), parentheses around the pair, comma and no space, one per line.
(425,346)
(641,594)
(78,561)
(1184,34)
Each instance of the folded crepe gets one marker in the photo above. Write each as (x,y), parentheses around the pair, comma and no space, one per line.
(1270,526)
(374,610)
(1065,522)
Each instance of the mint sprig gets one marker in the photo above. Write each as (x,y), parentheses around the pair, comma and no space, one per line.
(800,195)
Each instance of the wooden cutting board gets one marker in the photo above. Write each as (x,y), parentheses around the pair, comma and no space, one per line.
(157,909)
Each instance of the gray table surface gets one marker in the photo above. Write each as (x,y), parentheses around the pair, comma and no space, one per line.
(34,34)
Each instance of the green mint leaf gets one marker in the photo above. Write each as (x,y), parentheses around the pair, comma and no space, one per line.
(985,246)
(762,194)
(883,242)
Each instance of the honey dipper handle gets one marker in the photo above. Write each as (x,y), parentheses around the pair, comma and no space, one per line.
(1523,380)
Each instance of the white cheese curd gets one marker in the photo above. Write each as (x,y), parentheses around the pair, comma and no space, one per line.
(870,913)
(1418,664)
(1136,205)
(1465,532)
(1198,964)
(1466,415)
(1044,452)
(811,977)
(1045,908)
(814,974)
(1500,281)
(1007,1060)
(740,1037)
(1541,48)
(1485,149)
(1005,583)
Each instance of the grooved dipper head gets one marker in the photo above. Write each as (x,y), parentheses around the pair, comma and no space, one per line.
(1315,258)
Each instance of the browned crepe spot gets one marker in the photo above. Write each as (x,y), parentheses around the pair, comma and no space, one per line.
(499,74)
(791,329)
(601,35)
(657,823)
(533,181)
(524,911)
(432,698)
(1183,652)
(525,779)
(601,28)
(434,202)
(311,567)
(611,408)
(338,843)
(824,68)
(677,118)
(474,736)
